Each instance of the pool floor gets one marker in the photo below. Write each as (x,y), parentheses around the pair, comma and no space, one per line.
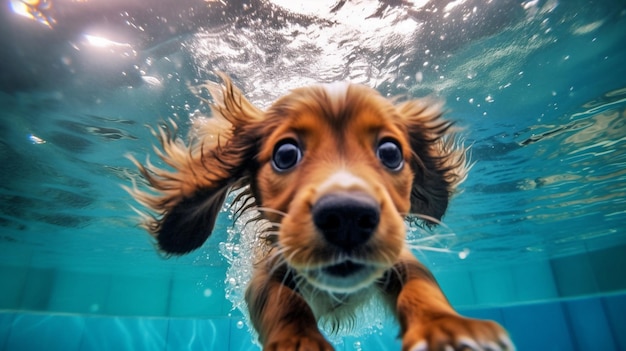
(591,323)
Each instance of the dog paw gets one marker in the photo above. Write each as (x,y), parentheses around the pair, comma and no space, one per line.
(456,333)
(299,343)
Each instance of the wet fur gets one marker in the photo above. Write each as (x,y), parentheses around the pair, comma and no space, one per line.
(338,126)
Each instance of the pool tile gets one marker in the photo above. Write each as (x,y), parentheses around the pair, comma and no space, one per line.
(198,334)
(37,287)
(6,323)
(189,299)
(79,292)
(138,295)
(604,263)
(589,325)
(534,282)
(538,327)
(615,309)
(45,332)
(458,287)
(13,284)
(121,334)
(493,286)
(574,276)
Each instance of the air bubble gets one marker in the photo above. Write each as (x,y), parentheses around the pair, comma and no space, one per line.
(463,254)
(419,76)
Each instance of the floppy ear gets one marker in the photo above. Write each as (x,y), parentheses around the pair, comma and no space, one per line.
(439,161)
(184,202)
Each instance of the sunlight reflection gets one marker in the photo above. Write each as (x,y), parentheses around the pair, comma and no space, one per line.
(103,42)
(35,139)
(37,10)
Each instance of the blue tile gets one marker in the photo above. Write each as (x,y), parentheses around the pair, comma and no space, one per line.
(116,333)
(589,325)
(603,263)
(574,276)
(37,287)
(615,308)
(13,281)
(190,299)
(198,334)
(538,327)
(6,323)
(79,292)
(45,332)
(138,296)
(493,286)
(534,282)
(457,286)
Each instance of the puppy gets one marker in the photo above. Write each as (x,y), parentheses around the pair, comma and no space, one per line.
(334,169)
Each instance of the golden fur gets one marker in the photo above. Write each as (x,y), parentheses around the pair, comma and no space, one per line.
(335,169)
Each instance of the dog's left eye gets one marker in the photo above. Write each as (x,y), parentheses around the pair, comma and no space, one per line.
(287,154)
(390,154)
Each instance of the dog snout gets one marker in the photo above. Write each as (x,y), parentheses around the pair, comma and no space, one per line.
(346,220)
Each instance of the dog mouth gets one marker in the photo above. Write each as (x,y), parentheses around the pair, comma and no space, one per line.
(344,269)
(344,277)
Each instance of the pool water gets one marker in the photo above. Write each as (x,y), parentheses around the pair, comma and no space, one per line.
(536,239)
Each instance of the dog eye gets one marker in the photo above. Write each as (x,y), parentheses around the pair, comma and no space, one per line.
(287,154)
(390,154)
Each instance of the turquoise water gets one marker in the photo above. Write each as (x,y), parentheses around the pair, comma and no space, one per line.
(535,240)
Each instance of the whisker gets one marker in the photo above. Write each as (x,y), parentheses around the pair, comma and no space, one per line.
(461,254)
(425,243)
(300,283)
(271,210)
(430,248)
(434,237)
(334,297)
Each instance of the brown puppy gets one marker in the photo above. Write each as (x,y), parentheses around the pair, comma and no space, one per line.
(334,169)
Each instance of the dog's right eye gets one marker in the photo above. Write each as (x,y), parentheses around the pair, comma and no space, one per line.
(286,155)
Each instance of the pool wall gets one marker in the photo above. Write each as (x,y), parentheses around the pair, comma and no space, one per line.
(173,294)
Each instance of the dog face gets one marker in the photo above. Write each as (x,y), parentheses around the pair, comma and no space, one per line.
(337,166)
(334,167)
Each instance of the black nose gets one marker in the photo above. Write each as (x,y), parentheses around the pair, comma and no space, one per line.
(346,219)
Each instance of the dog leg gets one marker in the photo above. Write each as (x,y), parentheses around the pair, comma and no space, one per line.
(427,320)
(280,315)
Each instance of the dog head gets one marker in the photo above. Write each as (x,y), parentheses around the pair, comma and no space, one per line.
(334,167)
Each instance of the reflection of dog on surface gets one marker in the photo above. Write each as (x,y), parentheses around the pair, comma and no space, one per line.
(334,169)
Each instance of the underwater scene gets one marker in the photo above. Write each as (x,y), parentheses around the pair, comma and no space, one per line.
(534,238)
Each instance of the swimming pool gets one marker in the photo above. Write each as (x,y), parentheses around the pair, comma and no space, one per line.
(535,240)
